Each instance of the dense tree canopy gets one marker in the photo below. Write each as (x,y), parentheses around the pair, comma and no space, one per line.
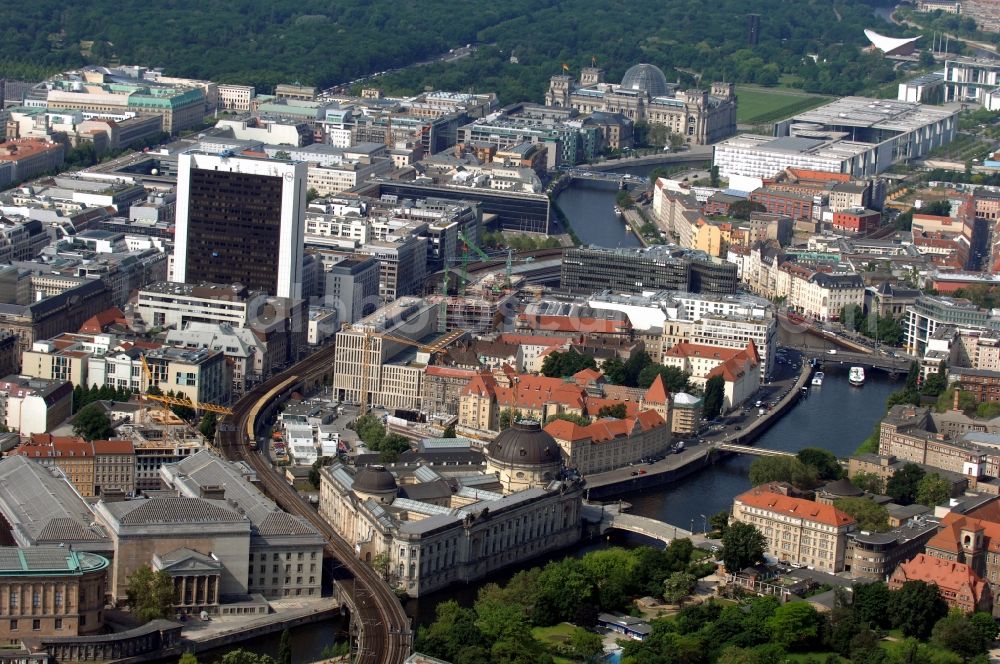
(558,365)
(324,43)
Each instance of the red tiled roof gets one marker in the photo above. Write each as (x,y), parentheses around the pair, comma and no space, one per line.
(534,340)
(450,372)
(44,445)
(949,575)
(113,447)
(100,321)
(657,392)
(744,362)
(576,325)
(604,430)
(762,498)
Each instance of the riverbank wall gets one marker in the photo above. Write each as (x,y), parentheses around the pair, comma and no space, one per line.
(608,486)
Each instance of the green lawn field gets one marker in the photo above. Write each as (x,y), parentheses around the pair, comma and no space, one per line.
(757,105)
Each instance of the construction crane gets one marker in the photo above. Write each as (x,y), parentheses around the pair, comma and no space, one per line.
(433,348)
(469,244)
(166,401)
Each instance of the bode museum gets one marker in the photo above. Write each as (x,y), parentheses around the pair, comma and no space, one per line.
(445,515)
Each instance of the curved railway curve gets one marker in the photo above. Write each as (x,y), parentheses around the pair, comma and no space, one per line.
(383,628)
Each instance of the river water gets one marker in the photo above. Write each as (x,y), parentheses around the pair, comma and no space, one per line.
(835,417)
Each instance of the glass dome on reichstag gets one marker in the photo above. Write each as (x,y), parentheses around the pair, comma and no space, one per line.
(648,78)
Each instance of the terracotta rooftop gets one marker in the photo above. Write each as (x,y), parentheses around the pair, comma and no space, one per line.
(762,498)
(947,574)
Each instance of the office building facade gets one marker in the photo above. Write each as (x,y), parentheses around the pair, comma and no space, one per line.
(593,269)
(240,220)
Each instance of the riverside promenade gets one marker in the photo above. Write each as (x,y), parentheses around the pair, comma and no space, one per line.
(701,453)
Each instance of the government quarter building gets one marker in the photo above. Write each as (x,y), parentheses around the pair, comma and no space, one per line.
(700,116)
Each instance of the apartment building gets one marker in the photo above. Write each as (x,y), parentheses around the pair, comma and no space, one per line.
(798,531)
(34,405)
(199,375)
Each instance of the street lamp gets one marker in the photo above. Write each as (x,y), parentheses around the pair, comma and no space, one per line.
(704,522)
(692,526)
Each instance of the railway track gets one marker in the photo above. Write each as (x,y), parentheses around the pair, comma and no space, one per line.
(384,635)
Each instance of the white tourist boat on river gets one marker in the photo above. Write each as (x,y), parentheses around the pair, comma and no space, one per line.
(818,378)
(857,376)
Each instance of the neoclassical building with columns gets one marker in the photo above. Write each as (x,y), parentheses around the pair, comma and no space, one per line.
(700,116)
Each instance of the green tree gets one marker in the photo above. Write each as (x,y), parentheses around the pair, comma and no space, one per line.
(241,656)
(207,426)
(869,514)
(311,194)
(904,484)
(871,604)
(370,430)
(742,546)
(188,658)
(507,417)
(674,380)
(869,482)
(958,633)
(314,471)
(719,521)
(150,594)
(795,626)
(852,317)
(634,365)
(614,370)
(285,648)
(783,469)
(966,401)
(933,490)
(987,410)
(449,431)
(454,629)
(916,607)
(823,461)
(559,365)
(618,410)
(569,417)
(715,396)
(586,645)
(678,586)
(743,209)
(986,625)
(93,423)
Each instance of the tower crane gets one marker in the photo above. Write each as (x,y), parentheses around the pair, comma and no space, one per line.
(433,348)
(166,401)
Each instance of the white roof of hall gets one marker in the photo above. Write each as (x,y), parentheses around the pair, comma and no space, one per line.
(888,44)
(879,113)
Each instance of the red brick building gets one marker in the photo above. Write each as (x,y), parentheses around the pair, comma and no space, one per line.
(858,221)
(796,206)
(957,584)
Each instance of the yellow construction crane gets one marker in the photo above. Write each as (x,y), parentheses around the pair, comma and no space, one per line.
(174,401)
(433,348)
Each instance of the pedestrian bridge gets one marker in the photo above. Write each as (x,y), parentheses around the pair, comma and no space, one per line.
(610,516)
(746,449)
